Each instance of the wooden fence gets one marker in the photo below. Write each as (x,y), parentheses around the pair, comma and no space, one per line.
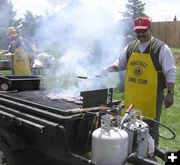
(169,32)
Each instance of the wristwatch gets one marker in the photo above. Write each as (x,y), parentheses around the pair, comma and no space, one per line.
(170,91)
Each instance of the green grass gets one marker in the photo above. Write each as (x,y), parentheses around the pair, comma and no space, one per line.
(171,116)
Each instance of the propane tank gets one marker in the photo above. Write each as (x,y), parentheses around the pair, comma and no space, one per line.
(138,133)
(109,144)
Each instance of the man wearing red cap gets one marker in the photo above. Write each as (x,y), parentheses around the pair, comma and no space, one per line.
(150,68)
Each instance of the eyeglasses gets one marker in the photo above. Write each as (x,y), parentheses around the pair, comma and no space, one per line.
(141,31)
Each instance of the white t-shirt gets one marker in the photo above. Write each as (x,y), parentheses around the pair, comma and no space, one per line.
(166,60)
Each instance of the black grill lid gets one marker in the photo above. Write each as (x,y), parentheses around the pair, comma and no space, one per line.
(98,97)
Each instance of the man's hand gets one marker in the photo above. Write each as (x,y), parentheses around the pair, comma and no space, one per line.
(168,100)
(8,54)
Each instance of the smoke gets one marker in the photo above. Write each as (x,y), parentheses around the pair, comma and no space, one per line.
(87,37)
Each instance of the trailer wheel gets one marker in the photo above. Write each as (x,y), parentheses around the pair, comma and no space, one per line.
(7,157)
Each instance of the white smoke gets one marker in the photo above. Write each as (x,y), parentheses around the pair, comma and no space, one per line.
(87,37)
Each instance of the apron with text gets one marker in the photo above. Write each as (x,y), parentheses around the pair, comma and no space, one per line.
(21,62)
(141,84)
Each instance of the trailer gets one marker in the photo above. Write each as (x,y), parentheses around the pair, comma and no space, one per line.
(62,130)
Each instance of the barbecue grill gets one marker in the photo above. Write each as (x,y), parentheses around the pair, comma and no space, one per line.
(33,109)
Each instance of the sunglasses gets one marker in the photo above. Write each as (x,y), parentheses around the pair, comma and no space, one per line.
(141,31)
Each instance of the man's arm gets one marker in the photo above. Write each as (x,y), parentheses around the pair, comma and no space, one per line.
(3,51)
(111,68)
(169,70)
(120,64)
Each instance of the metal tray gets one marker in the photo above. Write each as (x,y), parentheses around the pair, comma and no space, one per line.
(19,82)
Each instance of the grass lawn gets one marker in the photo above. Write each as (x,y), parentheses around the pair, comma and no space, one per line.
(171,116)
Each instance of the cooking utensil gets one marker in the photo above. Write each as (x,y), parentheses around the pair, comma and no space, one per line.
(85,77)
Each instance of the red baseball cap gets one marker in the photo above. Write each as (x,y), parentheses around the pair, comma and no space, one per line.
(142,23)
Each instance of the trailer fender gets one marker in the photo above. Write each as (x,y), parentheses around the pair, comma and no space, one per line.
(12,138)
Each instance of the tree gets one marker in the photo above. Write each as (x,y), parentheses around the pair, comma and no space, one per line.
(175,18)
(134,9)
(7,19)
(29,24)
